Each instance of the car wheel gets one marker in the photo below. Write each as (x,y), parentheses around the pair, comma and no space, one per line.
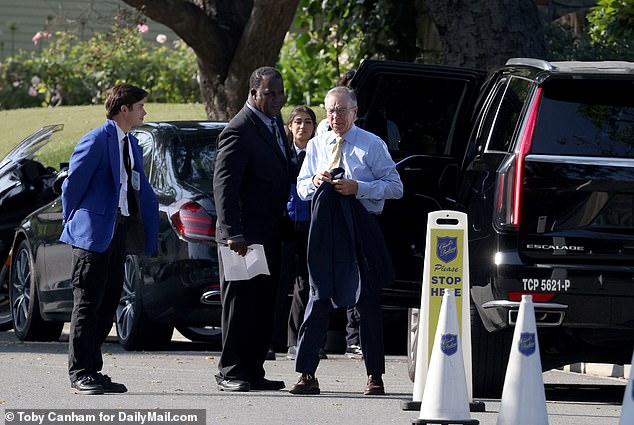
(25,310)
(6,322)
(135,330)
(412,341)
(490,355)
(208,334)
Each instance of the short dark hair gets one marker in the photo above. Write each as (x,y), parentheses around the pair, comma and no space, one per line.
(345,79)
(122,94)
(255,81)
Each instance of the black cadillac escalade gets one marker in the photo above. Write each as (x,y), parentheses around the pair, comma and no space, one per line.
(540,155)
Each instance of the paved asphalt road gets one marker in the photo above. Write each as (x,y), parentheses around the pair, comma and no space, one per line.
(34,376)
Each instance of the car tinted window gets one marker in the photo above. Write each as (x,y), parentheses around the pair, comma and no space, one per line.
(415,114)
(194,154)
(586,117)
(504,113)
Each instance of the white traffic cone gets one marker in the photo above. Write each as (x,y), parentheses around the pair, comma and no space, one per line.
(523,397)
(445,397)
(627,412)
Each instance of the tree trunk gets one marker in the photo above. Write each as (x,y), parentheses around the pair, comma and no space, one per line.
(230,40)
(484,34)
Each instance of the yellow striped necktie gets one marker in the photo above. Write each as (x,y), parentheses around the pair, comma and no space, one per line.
(336,153)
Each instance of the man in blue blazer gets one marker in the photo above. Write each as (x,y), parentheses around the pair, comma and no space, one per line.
(109,209)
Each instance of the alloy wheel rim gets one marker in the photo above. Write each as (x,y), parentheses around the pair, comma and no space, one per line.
(21,289)
(125,309)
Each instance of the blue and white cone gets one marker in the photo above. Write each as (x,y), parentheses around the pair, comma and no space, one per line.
(523,397)
(627,411)
(445,397)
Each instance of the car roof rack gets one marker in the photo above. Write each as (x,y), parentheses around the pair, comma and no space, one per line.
(534,63)
(619,67)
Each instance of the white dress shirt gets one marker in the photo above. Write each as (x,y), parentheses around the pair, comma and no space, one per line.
(365,158)
(123,175)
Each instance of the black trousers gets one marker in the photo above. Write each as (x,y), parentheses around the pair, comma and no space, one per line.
(301,286)
(352,327)
(248,312)
(97,280)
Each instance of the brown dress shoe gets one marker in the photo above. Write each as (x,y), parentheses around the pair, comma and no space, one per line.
(374,386)
(307,384)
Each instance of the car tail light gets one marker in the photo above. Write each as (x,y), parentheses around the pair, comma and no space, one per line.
(191,221)
(538,298)
(511,175)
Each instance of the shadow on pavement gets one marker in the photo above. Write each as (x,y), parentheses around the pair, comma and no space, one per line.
(585,393)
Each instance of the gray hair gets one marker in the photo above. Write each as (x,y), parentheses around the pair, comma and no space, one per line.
(340,91)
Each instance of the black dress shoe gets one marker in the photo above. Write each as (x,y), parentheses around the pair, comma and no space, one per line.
(86,384)
(267,385)
(234,385)
(109,386)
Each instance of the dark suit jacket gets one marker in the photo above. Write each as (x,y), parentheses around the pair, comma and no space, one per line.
(251,180)
(90,195)
(347,255)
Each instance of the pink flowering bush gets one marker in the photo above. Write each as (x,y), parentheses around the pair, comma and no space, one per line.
(40,35)
(68,71)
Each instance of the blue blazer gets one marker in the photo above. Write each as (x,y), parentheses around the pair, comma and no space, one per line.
(90,193)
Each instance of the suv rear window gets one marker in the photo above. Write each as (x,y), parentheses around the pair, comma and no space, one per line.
(194,153)
(588,117)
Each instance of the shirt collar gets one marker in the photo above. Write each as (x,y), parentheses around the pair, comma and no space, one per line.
(120,133)
(265,119)
(349,135)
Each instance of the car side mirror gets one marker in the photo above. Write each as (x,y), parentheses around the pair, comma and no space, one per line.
(58,180)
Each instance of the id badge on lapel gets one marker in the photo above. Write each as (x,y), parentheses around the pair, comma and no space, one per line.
(136,180)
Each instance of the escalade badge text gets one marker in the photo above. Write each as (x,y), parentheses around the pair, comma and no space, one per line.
(554,247)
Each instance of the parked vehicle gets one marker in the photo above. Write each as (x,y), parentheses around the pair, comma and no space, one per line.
(178,286)
(541,157)
(25,184)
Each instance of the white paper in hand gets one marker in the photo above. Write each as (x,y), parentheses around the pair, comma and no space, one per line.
(237,267)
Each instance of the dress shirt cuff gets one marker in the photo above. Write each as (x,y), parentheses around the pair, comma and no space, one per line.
(363,190)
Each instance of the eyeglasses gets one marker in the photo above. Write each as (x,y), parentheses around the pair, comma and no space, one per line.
(339,111)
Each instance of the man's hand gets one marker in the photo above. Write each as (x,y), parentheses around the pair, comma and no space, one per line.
(238,245)
(345,186)
(322,177)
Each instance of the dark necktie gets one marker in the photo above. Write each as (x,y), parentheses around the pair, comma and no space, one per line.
(276,133)
(127,164)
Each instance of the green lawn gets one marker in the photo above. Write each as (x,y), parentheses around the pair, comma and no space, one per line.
(16,124)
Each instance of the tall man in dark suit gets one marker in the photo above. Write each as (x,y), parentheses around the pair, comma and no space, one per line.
(251,187)
(109,208)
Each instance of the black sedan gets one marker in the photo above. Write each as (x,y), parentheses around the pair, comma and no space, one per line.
(176,287)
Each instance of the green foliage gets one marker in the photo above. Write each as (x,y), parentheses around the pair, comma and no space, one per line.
(612,28)
(330,37)
(565,45)
(72,72)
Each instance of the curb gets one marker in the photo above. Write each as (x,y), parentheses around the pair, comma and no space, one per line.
(600,369)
